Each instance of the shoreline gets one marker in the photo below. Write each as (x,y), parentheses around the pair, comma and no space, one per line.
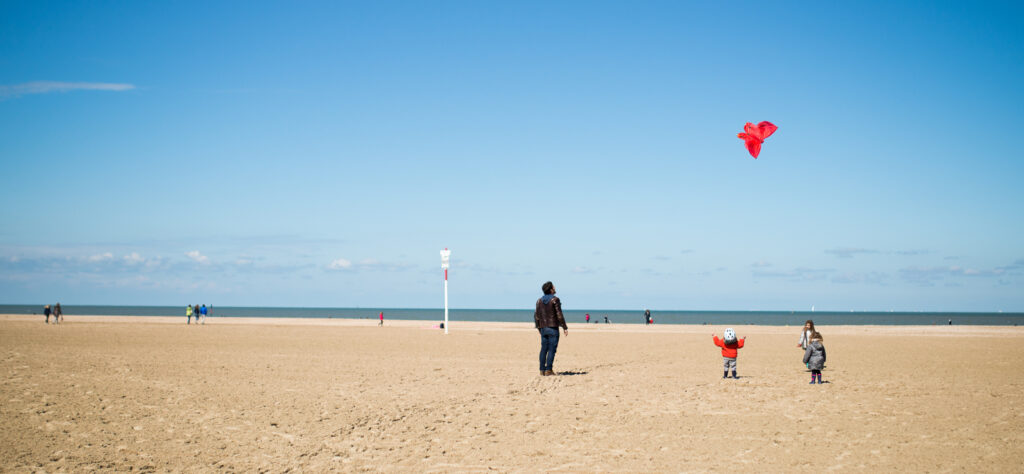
(461,326)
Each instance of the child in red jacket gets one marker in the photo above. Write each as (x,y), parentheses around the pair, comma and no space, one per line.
(729,346)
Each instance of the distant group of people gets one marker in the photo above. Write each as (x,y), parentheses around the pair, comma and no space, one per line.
(548,318)
(587,319)
(199,313)
(57,312)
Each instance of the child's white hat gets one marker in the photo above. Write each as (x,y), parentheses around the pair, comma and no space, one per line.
(730,335)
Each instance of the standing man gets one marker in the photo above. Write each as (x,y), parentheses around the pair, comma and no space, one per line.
(46,312)
(547,319)
(58,314)
(647,316)
(188,314)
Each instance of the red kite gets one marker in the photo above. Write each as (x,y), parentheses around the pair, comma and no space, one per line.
(755,136)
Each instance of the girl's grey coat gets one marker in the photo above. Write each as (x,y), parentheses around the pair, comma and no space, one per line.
(815,355)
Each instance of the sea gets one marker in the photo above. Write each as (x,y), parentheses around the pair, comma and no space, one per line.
(597,316)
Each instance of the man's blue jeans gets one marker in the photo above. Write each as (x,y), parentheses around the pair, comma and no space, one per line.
(548,346)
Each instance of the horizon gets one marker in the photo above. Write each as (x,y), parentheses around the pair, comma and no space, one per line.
(321,154)
(653,310)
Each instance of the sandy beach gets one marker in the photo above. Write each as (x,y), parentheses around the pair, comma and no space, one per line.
(250,394)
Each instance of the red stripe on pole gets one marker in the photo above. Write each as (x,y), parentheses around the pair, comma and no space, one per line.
(445,274)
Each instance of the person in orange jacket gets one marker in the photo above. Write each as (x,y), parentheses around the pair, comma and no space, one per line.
(729,345)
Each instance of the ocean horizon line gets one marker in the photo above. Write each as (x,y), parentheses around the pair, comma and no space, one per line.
(452,308)
(598,316)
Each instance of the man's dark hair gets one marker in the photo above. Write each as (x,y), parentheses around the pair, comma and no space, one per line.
(547,287)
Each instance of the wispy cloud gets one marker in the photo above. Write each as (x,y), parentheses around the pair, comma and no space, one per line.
(109,263)
(102,257)
(366,264)
(930,275)
(197,257)
(849,252)
(796,274)
(876,278)
(46,87)
(340,264)
(1016,265)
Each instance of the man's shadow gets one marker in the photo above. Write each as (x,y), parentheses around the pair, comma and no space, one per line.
(570,372)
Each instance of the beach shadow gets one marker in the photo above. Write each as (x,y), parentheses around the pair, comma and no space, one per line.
(571,372)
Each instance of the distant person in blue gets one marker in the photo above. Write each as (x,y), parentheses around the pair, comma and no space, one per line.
(202,312)
(46,312)
(547,318)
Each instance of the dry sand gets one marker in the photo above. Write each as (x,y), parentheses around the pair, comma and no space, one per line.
(152,394)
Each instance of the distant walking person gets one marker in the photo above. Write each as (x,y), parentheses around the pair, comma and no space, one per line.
(46,312)
(58,313)
(805,335)
(381,319)
(547,318)
(588,318)
(202,312)
(188,314)
(647,316)
(195,313)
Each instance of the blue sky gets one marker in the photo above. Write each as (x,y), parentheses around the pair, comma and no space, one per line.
(322,153)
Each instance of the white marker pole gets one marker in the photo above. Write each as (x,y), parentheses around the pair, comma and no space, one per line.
(445,255)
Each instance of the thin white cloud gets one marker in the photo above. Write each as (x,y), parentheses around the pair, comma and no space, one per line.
(340,264)
(133,259)
(366,264)
(197,257)
(876,278)
(45,87)
(101,257)
(931,275)
(849,252)
(796,274)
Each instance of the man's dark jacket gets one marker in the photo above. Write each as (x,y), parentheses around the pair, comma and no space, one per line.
(549,313)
